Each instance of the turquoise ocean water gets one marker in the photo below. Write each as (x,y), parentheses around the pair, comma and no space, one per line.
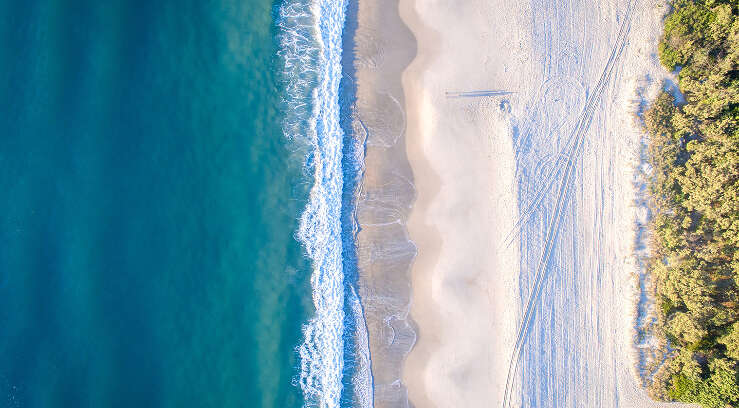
(176,227)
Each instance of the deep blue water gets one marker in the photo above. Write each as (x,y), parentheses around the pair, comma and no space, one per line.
(149,207)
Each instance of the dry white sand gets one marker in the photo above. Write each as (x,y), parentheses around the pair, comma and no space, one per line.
(524,217)
(465,290)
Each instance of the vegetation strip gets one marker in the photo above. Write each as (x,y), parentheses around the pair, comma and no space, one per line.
(694,153)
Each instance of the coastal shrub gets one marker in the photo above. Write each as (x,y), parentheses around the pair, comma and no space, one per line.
(694,151)
(731,342)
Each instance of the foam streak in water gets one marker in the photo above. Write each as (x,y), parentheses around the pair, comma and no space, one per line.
(362,380)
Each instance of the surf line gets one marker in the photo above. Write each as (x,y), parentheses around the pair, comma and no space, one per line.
(311,48)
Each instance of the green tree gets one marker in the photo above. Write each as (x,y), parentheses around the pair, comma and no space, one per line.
(694,151)
(731,342)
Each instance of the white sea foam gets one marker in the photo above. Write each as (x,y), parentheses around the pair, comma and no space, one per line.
(311,46)
(362,380)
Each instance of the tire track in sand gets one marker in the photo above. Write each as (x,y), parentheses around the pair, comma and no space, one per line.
(540,192)
(584,121)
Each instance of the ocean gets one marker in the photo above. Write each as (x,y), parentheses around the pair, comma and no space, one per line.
(177,228)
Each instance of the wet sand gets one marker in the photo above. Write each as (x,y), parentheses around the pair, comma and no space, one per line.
(383,48)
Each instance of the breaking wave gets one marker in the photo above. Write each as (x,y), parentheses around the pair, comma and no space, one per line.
(311,38)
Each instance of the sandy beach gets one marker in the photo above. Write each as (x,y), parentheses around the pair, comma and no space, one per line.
(519,124)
